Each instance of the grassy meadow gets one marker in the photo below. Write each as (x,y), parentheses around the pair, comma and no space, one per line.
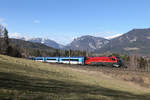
(22,79)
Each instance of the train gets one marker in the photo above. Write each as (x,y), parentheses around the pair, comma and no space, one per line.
(97,61)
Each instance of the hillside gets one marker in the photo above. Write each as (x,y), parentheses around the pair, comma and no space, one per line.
(135,41)
(26,48)
(22,79)
(27,44)
(46,42)
(87,42)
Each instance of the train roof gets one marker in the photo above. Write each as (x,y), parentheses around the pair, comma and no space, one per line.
(57,57)
(71,57)
(51,57)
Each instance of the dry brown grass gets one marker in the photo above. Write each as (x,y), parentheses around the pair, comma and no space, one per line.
(22,79)
(135,76)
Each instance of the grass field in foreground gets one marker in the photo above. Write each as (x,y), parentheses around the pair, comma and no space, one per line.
(22,79)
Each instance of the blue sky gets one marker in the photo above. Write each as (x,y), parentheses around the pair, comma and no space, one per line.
(63,20)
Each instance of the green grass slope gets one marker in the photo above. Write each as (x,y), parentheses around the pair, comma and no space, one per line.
(22,79)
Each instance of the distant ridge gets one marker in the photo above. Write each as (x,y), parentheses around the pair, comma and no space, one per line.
(136,41)
(47,42)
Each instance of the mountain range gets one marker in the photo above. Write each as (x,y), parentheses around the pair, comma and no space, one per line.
(47,42)
(136,41)
(87,42)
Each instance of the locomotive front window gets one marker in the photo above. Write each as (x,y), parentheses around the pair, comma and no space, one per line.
(119,60)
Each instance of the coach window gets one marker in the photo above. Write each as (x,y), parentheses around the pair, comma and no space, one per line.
(65,59)
(70,59)
(74,59)
(51,59)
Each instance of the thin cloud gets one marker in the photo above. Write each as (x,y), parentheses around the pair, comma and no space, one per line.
(17,35)
(108,32)
(36,21)
(5,24)
(114,36)
(1,20)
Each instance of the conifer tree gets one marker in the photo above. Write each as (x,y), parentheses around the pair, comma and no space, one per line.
(4,40)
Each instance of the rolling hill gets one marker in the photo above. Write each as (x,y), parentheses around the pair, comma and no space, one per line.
(27,49)
(22,79)
(27,44)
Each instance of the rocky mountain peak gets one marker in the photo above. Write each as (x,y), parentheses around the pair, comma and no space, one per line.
(87,42)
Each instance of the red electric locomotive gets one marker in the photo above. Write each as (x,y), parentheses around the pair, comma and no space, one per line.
(113,61)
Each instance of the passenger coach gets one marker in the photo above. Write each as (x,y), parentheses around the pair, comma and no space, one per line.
(71,60)
(64,60)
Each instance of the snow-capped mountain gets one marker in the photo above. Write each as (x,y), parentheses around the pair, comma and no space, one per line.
(87,42)
(47,42)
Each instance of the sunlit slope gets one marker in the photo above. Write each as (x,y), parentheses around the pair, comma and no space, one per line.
(22,79)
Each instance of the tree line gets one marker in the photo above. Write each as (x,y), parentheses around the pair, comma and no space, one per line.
(5,47)
(27,49)
(4,44)
(135,62)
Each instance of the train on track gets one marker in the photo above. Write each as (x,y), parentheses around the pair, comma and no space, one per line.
(98,61)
